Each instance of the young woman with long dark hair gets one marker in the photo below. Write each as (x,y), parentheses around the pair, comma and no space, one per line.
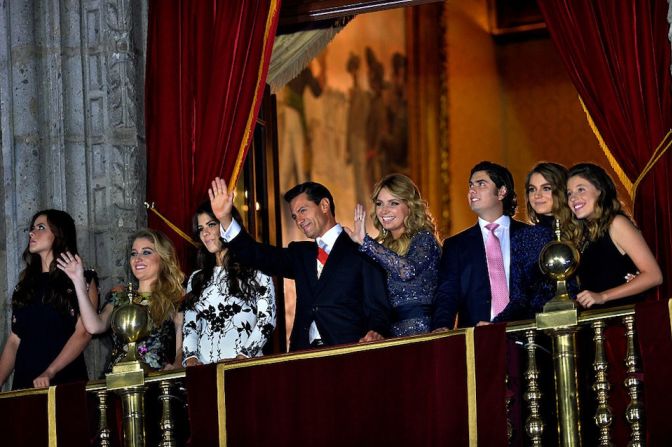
(46,343)
(230,309)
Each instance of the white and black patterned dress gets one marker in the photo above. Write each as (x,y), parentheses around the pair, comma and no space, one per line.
(222,326)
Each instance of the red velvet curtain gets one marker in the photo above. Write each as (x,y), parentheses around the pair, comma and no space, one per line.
(618,56)
(207,62)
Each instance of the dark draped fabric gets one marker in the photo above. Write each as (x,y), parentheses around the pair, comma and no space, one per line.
(24,420)
(411,394)
(618,57)
(655,344)
(207,62)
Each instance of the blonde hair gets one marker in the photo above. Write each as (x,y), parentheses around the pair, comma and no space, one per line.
(167,293)
(419,217)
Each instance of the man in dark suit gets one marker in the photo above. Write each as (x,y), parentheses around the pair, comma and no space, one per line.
(340,294)
(466,272)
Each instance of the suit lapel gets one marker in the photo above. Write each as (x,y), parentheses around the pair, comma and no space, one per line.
(310,261)
(477,242)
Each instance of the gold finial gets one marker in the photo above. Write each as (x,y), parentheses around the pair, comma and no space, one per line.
(556,227)
(130,294)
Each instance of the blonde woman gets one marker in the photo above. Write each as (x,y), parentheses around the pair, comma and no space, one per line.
(155,267)
(406,247)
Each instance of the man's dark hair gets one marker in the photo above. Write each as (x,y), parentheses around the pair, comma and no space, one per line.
(315,193)
(500,176)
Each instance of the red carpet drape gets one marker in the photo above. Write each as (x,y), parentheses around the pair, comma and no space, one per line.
(618,57)
(207,62)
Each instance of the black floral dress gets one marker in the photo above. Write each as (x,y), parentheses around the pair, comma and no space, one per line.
(221,326)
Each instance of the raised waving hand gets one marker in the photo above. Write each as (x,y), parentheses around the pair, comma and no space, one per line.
(359,231)
(221,201)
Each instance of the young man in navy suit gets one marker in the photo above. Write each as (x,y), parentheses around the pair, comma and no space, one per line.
(465,292)
(341,295)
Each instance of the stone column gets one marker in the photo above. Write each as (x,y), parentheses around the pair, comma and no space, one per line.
(72,131)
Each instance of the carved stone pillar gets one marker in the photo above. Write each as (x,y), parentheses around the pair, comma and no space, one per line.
(72,131)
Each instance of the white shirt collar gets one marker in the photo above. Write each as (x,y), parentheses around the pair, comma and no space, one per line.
(504,222)
(329,238)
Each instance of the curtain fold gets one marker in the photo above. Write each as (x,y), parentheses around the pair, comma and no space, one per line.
(207,63)
(618,57)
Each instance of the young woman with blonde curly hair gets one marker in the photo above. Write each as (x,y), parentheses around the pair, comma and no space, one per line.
(154,265)
(406,247)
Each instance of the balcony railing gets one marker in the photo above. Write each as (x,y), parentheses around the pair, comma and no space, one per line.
(391,391)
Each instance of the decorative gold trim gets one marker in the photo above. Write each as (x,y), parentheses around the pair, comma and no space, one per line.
(182,234)
(251,118)
(659,152)
(471,387)
(337,351)
(51,416)
(623,177)
(221,404)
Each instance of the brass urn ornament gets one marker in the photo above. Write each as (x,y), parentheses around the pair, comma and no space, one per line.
(559,260)
(130,322)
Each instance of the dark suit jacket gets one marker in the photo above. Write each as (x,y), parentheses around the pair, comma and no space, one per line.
(348,299)
(464,285)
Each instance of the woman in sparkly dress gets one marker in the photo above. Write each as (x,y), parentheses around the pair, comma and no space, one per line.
(616,266)
(154,265)
(406,247)
(546,201)
(229,311)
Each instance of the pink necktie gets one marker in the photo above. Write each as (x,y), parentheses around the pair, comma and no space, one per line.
(498,284)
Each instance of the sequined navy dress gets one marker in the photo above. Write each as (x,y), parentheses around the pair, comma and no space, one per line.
(411,281)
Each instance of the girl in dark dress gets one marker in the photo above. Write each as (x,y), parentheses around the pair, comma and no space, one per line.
(546,199)
(616,262)
(154,264)
(47,338)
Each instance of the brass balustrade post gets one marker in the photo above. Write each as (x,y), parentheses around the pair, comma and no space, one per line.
(634,413)
(130,322)
(103,428)
(166,425)
(562,326)
(603,415)
(133,410)
(559,259)
(534,425)
(564,359)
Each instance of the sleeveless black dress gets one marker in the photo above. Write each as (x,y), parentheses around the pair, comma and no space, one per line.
(603,267)
(44,331)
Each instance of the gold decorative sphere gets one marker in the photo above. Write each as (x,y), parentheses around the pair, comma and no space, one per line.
(130,321)
(559,260)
